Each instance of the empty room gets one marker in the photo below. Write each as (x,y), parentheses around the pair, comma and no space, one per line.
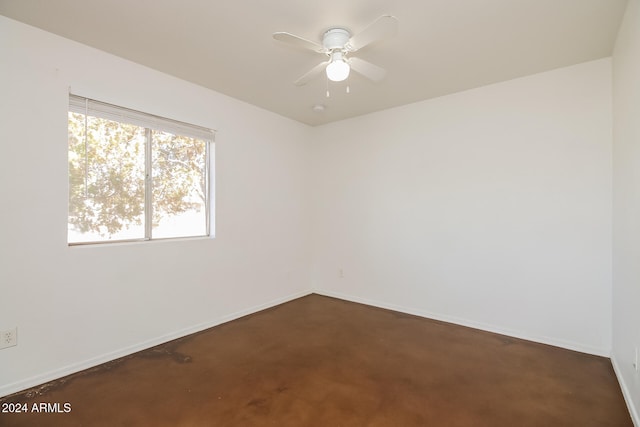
(300,213)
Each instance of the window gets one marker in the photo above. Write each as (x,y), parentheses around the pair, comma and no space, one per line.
(135,176)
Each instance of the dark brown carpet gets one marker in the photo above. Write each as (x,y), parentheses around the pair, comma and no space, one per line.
(318,361)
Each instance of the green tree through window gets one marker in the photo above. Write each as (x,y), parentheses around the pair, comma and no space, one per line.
(130,181)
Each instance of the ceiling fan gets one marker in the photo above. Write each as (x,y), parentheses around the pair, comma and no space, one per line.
(338,44)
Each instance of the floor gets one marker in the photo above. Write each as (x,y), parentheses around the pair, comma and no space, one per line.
(319,361)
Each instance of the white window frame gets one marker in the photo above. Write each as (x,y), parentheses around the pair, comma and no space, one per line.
(92,107)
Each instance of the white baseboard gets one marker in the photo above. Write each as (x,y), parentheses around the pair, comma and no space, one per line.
(37,380)
(469,323)
(635,417)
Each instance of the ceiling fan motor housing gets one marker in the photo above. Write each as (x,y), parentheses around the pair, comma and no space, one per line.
(335,38)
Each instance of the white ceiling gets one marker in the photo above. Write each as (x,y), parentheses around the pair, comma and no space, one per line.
(443,46)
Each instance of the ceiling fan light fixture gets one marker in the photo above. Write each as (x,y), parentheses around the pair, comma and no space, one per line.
(337,70)
(337,42)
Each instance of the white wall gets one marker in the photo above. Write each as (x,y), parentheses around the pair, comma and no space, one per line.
(490,208)
(78,306)
(626,205)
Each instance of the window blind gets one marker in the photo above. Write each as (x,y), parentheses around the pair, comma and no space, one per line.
(91,107)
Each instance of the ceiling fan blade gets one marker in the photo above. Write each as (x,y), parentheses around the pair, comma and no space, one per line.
(367,69)
(297,41)
(312,74)
(384,27)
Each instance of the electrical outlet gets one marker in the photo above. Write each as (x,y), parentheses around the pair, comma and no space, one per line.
(341,273)
(9,338)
